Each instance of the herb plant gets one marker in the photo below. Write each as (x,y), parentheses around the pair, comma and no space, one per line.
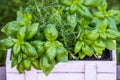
(47,32)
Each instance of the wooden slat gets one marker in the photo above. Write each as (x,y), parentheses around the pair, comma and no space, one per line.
(30,75)
(15,76)
(90,71)
(76,66)
(104,76)
(61,76)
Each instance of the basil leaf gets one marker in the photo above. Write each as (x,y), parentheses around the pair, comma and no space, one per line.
(92,35)
(110,44)
(87,50)
(46,65)
(39,46)
(73,8)
(102,5)
(91,2)
(62,55)
(84,11)
(20,67)
(51,53)
(81,55)
(14,61)
(36,64)
(20,17)
(29,50)
(47,44)
(11,28)
(6,43)
(112,24)
(72,20)
(19,57)
(58,44)
(99,44)
(16,49)
(66,2)
(77,47)
(32,30)
(112,34)
(103,36)
(21,33)
(51,32)
(99,14)
(27,64)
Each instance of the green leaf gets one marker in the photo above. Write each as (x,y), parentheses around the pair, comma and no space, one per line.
(110,44)
(20,57)
(112,24)
(51,53)
(87,50)
(99,14)
(66,2)
(92,35)
(28,49)
(11,28)
(99,44)
(73,8)
(46,65)
(81,55)
(91,2)
(6,43)
(72,20)
(103,36)
(27,18)
(62,55)
(27,64)
(20,67)
(32,30)
(58,44)
(14,61)
(98,50)
(51,32)
(113,13)
(84,12)
(112,34)
(36,64)
(103,26)
(20,17)
(16,49)
(102,5)
(39,46)
(47,44)
(21,33)
(77,47)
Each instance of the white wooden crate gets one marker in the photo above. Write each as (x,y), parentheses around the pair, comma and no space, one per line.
(72,70)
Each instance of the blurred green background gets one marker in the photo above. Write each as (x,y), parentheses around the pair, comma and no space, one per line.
(8,10)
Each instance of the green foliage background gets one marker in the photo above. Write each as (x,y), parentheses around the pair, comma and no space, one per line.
(8,10)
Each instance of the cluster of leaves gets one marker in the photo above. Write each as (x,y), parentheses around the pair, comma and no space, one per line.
(64,28)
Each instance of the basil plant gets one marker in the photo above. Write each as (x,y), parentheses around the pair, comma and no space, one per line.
(47,32)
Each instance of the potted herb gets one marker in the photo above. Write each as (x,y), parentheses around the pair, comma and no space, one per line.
(47,32)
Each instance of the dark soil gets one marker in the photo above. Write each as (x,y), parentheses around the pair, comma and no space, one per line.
(106,56)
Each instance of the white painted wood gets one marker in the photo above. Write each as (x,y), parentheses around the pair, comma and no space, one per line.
(31,75)
(106,76)
(72,70)
(90,71)
(15,76)
(62,76)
